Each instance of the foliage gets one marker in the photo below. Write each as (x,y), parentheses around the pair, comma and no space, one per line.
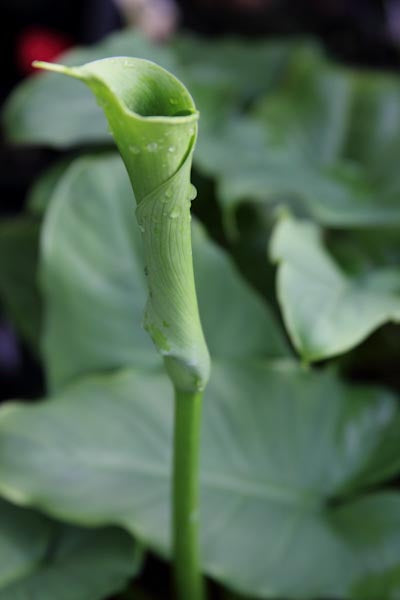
(326,311)
(43,559)
(293,458)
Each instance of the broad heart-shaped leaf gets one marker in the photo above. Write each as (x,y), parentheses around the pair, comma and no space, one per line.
(19,293)
(325,310)
(94,282)
(324,139)
(41,559)
(278,445)
(57,111)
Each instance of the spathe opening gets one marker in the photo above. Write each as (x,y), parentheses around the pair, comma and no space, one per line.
(145,88)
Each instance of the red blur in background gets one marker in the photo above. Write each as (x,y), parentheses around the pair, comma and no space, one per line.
(39,43)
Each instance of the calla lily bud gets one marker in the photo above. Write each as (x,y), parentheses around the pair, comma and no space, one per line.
(154,123)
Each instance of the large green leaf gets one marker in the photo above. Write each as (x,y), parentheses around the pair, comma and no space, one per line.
(56,111)
(19,293)
(324,139)
(94,282)
(44,560)
(278,445)
(325,310)
(340,130)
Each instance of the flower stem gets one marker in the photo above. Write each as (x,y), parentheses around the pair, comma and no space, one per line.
(188,579)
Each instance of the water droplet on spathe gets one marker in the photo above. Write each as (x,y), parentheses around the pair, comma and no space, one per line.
(168,194)
(174,214)
(141,228)
(173,101)
(152,147)
(192,192)
(134,149)
(171,149)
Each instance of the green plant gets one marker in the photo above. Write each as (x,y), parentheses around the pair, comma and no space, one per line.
(298,464)
(154,122)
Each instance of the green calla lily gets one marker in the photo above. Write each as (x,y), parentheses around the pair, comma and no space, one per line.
(153,120)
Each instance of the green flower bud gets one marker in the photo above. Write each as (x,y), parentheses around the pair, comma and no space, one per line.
(154,123)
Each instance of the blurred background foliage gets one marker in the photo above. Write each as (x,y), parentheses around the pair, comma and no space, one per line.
(298,200)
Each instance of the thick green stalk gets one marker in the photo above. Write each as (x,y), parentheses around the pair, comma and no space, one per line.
(154,123)
(188,579)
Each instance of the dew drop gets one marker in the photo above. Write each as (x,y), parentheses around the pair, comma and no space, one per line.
(168,194)
(171,149)
(152,147)
(142,229)
(192,192)
(191,131)
(173,101)
(134,149)
(174,214)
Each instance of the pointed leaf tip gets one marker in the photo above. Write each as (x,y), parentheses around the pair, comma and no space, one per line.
(55,67)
